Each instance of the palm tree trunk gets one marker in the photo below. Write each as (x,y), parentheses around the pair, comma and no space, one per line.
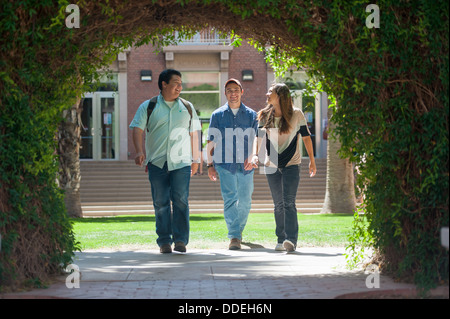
(69,159)
(340,187)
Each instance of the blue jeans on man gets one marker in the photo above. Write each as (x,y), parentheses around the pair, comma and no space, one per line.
(237,192)
(172,223)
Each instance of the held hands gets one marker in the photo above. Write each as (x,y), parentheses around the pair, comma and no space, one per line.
(251,163)
(254,160)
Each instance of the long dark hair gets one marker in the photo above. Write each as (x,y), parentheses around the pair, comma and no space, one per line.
(267,114)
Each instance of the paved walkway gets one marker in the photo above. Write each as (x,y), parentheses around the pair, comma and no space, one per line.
(214,274)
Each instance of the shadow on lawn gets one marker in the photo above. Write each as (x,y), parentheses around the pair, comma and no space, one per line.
(140,219)
(350,215)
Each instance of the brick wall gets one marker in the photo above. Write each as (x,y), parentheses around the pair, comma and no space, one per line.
(243,58)
(142,58)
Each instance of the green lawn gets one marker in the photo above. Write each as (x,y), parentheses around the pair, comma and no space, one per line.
(208,231)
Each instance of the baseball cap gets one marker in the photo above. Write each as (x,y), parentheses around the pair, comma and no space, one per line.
(233,80)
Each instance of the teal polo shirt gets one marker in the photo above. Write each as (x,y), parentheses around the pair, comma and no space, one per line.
(168,138)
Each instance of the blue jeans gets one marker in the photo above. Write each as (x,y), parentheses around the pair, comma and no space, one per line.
(283,185)
(172,225)
(237,192)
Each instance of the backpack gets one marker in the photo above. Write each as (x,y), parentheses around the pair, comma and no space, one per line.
(152,104)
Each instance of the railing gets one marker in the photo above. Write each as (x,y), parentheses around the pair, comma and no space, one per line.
(206,37)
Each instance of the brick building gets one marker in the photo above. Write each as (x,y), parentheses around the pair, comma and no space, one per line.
(206,62)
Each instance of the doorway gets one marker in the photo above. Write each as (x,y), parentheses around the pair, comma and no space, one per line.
(100,126)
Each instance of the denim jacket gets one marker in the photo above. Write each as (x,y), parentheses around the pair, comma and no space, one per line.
(233,136)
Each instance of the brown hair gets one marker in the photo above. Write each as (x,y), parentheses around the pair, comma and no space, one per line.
(287,110)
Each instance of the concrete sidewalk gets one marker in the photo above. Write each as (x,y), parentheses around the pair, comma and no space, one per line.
(214,274)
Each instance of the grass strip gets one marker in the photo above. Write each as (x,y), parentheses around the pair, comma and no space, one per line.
(209,231)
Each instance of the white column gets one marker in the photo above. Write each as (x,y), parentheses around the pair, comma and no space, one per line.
(123,116)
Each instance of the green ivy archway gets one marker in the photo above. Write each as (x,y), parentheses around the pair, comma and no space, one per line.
(390,86)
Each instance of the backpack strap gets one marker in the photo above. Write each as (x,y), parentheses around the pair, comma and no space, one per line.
(188,107)
(152,103)
(150,107)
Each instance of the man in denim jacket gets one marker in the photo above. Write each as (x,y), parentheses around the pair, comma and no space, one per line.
(231,133)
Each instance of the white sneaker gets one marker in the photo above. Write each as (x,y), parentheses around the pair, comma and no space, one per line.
(289,246)
(279,247)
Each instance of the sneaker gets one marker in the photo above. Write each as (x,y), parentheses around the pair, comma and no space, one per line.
(165,249)
(279,247)
(180,247)
(235,244)
(289,246)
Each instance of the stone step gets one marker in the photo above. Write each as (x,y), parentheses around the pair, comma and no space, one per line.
(195,207)
(120,187)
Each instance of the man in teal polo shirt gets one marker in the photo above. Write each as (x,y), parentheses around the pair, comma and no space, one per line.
(172,157)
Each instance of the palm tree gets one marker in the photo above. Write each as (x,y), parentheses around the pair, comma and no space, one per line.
(340,187)
(69,159)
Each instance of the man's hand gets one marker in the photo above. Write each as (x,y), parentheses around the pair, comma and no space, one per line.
(194,168)
(138,141)
(139,159)
(212,173)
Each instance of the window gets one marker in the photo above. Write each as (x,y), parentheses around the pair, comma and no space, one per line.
(206,36)
(202,90)
(295,80)
(106,82)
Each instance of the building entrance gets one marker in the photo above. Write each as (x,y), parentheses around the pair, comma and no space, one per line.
(100,123)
